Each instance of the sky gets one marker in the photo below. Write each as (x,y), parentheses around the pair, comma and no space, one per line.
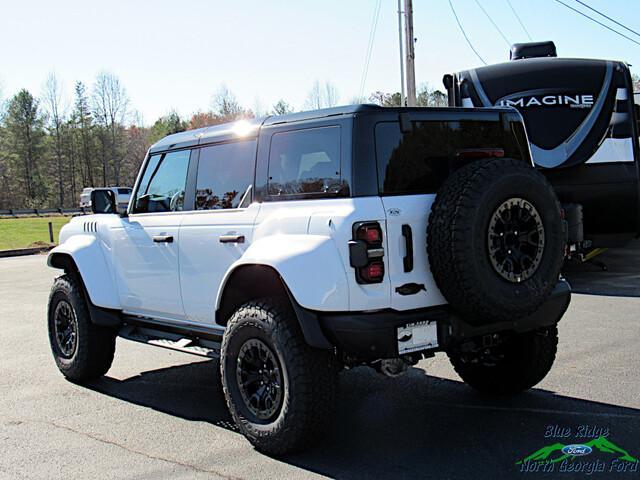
(174,55)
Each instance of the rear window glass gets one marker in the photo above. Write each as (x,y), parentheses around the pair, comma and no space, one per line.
(420,160)
(305,163)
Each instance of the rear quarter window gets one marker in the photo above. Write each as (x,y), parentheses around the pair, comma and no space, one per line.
(306,164)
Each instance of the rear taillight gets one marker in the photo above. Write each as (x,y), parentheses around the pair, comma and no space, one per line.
(366,252)
(373,272)
(370,233)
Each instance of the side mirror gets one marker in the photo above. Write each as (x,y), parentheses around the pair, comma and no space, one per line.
(103,201)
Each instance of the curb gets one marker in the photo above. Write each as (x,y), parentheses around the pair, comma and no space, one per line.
(23,251)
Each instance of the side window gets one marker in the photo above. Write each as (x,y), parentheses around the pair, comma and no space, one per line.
(225,173)
(306,163)
(163,183)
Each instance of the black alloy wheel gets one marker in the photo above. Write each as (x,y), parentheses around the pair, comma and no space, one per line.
(515,240)
(65,325)
(259,378)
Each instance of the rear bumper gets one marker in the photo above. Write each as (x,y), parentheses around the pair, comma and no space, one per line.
(374,335)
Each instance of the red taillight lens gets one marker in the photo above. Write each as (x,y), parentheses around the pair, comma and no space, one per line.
(366,251)
(373,272)
(370,233)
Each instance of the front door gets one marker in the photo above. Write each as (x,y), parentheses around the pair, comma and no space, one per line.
(146,247)
(220,229)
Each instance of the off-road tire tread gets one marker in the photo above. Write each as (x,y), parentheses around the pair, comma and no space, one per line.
(448,231)
(96,344)
(311,372)
(530,359)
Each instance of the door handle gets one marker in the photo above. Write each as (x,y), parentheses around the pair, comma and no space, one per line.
(163,239)
(407,261)
(231,238)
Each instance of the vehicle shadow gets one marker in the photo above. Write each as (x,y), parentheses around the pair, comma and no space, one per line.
(415,426)
(620,279)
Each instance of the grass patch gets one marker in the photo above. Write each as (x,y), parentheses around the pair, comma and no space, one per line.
(28,232)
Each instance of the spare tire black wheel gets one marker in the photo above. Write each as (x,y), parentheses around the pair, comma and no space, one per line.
(495,240)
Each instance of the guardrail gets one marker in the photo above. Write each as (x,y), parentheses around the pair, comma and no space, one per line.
(42,212)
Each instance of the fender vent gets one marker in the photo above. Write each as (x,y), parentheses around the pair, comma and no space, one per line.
(90,227)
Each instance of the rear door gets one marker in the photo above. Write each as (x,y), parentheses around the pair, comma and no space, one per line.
(403,177)
(220,228)
(412,165)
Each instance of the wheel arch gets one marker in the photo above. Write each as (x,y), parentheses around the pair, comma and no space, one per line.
(252,281)
(86,263)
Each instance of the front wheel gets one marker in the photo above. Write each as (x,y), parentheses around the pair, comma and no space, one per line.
(518,364)
(82,351)
(279,390)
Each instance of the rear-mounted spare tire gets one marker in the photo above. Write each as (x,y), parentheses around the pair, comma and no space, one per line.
(495,240)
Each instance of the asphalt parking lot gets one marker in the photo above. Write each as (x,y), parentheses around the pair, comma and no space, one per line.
(160,414)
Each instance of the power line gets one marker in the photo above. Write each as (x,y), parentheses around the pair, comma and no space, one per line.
(465,33)
(608,18)
(372,35)
(494,24)
(519,20)
(599,23)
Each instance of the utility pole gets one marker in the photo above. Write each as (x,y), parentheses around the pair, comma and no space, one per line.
(400,22)
(411,71)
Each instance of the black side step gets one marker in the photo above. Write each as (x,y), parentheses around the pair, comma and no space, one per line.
(203,347)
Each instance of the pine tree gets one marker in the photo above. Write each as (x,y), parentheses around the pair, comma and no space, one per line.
(25,136)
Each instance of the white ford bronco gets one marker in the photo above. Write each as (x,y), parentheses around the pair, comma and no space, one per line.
(292,247)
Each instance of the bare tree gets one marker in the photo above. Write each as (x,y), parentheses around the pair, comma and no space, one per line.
(258,108)
(110,104)
(226,106)
(331,96)
(386,99)
(431,97)
(321,96)
(281,108)
(52,99)
(314,99)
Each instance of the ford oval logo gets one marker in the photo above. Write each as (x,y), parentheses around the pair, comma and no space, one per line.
(577,450)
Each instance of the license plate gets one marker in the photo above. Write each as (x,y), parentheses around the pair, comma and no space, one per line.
(417,336)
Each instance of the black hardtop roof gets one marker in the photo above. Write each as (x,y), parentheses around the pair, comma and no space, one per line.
(249,128)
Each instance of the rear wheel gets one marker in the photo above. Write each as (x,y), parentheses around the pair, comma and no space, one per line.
(517,365)
(82,351)
(279,390)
